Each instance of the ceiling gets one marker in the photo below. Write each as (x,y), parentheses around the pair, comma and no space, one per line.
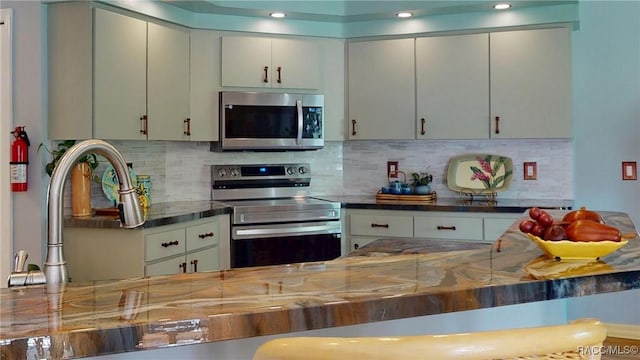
(345,11)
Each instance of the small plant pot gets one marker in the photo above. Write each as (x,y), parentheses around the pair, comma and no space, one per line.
(422,189)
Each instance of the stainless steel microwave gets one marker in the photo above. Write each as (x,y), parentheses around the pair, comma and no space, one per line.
(270,121)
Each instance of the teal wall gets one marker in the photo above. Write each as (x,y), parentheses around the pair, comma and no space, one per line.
(606,88)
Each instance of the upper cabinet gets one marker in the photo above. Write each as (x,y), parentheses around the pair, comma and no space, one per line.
(132,82)
(452,87)
(381,86)
(531,84)
(514,84)
(270,63)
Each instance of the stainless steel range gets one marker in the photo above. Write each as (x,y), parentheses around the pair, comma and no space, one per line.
(274,219)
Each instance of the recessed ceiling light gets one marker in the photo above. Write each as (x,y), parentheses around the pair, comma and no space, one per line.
(404,14)
(277,14)
(501,6)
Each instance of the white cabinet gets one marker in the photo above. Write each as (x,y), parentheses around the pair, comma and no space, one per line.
(363,226)
(452,87)
(99,254)
(112,76)
(512,84)
(381,95)
(270,63)
(531,83)
(205,85)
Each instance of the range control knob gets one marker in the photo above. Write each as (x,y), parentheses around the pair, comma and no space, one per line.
(222,172)
(290,171)
(234,172)
(302,170)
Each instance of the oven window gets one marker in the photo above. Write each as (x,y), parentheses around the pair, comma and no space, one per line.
(284,250)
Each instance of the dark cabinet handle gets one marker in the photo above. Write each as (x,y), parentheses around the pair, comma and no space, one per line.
(497,124)
(202,236)
(422,130)
(356,246)
(279,70)
(373,225)
(440,227)
(183,266)
(265,78)
(187,125)
(144,125)
(171,243)
(353,127)
(194,262)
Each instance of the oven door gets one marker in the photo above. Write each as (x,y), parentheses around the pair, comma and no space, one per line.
(273,244)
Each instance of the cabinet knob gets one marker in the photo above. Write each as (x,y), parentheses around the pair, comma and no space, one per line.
(265,78)
(183,266)
(374,225)
(279,70)
(194,262)
(497,124)
(170,243)
(353,127)
(209,234)
(422,130)
(356,246)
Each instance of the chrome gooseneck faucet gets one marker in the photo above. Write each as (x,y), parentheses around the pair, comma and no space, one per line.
(55,266)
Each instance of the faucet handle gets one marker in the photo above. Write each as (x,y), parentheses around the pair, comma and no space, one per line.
(20,260)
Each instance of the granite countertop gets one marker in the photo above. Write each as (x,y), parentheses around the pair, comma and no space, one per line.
(156,215)
(175,212)
(385,282)
(457,204)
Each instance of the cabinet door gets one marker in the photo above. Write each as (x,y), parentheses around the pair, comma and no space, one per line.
(531,83)
(381,89)
(171,266)
(495,227)
(168,83)
(244,60)
(202,235)
(381,225)
(359,241)
(120,88)
(164,244)
(295,64)
(204,260)
(205,85)
(452,84)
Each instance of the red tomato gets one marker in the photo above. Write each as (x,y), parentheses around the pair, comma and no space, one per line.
(545,219)
(526,226)
(534,213)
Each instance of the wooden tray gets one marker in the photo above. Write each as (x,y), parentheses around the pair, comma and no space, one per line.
(380,197)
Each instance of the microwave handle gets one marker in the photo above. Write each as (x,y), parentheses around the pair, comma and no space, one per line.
(300,123)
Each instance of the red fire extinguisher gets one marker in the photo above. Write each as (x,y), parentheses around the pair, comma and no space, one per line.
(19,159)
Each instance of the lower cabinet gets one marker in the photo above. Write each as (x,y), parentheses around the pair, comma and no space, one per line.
(364,226)
(101,254)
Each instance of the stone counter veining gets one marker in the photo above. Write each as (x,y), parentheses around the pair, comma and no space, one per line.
(157,312)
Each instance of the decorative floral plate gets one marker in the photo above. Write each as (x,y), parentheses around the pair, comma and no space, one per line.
(111,186)
(479,173)
(577,250)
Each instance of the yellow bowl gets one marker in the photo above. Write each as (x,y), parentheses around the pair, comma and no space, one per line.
(577,250)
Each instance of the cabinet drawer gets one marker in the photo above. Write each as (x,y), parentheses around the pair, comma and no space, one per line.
(164,244)
(381,225)
(202,235)
(494,227)
(437,227)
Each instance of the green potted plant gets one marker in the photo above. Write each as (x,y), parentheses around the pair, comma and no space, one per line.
(421,181)
(81,176)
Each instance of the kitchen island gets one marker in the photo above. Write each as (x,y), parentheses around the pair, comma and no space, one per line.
(379,282)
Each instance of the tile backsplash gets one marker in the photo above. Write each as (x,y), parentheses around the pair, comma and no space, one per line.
(181,170)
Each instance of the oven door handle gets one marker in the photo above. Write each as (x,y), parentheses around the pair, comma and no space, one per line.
(280,230)
(300,122)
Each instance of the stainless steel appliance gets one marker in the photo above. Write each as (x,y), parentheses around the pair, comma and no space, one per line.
(270,121)
(274,220)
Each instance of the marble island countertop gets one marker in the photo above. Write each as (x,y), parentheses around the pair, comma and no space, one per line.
(391,279)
